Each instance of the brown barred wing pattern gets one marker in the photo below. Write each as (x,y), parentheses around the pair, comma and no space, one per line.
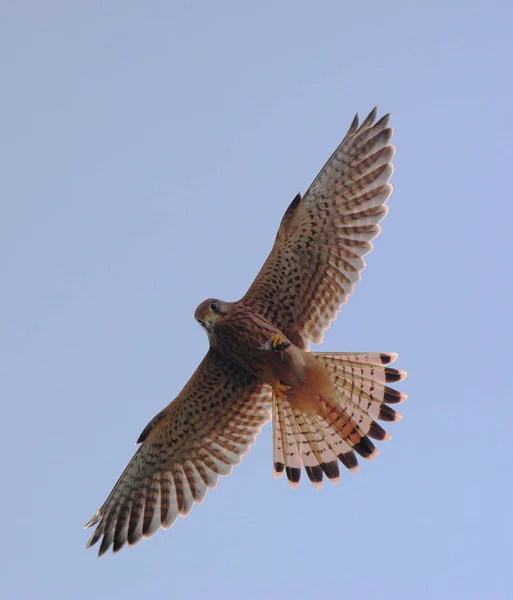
(317,257)
(201,435)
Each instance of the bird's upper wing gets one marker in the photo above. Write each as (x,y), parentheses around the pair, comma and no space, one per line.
(202,434)
(317,256)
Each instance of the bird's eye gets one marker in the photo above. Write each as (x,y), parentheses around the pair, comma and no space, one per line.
(213,307)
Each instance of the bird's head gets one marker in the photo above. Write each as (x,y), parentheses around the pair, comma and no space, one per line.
(210,311)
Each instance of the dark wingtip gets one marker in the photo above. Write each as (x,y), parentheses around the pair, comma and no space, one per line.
(94,538)
(105,545)
(371,117)
(385,119)
(93,520)
(279,467)
(119,542)
(354,124)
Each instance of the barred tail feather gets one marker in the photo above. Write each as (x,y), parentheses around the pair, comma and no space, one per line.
(287,457)
(344,426)
(301,440)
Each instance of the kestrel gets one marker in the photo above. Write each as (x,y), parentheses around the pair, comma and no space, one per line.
(325,406)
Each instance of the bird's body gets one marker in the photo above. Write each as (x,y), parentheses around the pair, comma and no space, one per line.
(247,338)
(324,406)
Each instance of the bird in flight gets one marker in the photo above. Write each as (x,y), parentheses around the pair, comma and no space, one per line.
(324,406)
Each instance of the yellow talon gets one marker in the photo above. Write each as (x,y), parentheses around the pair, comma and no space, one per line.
(281,391)
(276,340)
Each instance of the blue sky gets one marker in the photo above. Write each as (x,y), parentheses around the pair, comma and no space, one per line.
(148,152)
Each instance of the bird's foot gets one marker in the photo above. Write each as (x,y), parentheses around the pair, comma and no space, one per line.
(277,342)
(281,391)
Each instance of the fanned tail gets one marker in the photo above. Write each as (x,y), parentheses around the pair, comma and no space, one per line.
(343,427)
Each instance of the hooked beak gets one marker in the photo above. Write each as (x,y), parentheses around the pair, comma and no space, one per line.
(207,322)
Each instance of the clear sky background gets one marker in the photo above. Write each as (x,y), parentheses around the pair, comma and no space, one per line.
(148,151)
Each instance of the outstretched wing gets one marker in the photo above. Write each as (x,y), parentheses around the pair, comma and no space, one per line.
(317,259)
(202,434)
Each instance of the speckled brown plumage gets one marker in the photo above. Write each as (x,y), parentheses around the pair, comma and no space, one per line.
(325,406)
(317,256)
(202,434)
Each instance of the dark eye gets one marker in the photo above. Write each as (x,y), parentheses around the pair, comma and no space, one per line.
(213,307)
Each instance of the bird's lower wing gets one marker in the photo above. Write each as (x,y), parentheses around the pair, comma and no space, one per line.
(202,434)
(318,254)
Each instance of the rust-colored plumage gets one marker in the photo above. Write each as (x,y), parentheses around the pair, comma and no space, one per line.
(325,407)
